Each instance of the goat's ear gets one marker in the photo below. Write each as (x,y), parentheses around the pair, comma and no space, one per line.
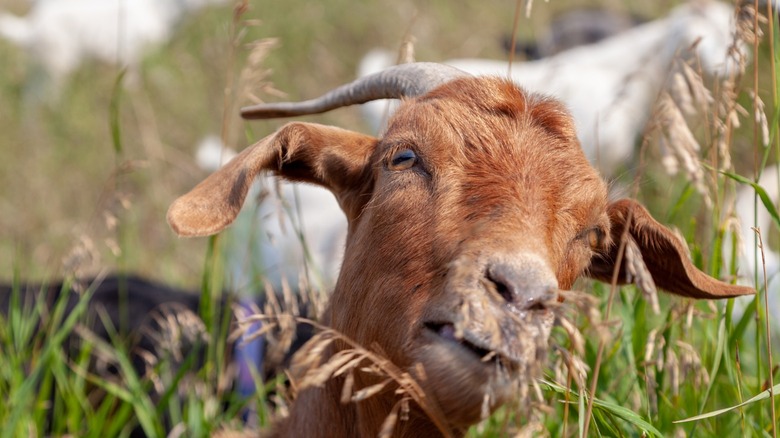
(665,256)
(331,157)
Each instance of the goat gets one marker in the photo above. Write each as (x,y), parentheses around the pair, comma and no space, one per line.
(123,299)
(61,34)
(610,86)
(573,28)
(466,219)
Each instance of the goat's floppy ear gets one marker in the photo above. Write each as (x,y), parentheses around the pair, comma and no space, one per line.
(331,157)
(664,255)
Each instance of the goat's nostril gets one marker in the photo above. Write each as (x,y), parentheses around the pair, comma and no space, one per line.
(523,289)
(535,303)
(501,287)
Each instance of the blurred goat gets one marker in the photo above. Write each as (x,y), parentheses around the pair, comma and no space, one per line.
(59,35)
(573,28)
(156,323)
(467,219)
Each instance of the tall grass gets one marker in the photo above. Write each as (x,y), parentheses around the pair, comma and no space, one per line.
(655,368)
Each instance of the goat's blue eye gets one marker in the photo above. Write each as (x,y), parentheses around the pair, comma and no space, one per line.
(403,159)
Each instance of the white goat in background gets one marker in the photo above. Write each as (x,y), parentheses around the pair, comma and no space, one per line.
(574,27)
(59,35)
(610,86)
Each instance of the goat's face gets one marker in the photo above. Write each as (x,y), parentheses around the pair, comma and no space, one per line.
(465,220)
(481,205)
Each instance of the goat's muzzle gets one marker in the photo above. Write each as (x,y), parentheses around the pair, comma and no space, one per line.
(487,335)
(504,306)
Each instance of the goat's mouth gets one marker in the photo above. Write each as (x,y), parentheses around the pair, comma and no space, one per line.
(473,364)
(478,344)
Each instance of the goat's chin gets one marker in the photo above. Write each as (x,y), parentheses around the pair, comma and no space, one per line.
(466,387)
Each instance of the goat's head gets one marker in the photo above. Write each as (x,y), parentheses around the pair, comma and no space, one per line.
(465,219)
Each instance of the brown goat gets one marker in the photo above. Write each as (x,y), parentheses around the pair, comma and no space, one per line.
(465,219)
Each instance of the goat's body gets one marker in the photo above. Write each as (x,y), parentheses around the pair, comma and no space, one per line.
(131,304)
(577,27)
(152,321)
(124,299)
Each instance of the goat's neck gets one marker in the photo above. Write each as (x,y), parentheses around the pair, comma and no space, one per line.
(318,412)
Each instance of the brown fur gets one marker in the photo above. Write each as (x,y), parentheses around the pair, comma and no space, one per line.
(500,210)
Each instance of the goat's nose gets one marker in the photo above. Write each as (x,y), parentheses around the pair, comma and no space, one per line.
(527,287)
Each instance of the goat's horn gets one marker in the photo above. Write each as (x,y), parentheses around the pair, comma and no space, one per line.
(404,80)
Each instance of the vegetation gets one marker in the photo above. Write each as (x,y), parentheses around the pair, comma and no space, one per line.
(88,175)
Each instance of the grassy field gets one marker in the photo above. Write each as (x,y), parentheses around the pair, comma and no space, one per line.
(88,176)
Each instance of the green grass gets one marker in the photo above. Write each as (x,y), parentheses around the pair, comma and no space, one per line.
(86,184)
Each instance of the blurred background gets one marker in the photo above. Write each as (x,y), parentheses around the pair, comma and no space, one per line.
(89,169)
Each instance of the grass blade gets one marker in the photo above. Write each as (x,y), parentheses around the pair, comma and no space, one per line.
(615,410)
(116,131)
(765,199)
(761,396)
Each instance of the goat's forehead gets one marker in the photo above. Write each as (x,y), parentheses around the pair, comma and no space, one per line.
(487,139)
(478,120)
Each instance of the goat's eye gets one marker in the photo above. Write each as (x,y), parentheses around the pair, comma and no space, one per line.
(402,160)
(595,238)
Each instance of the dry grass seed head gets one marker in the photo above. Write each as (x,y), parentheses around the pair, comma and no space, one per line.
(310,356)
(578,303)
(534,429)
(680,145)
(253,80)
(570,360)
(691,367)
(317,376)
(175,330)
(746,16)
(760,117)
(729,111)
(82,258)
(672,367)
(308,369)
(279,321)
(388,425)
(570,364)
(638,272)
(680,149)
(689,91)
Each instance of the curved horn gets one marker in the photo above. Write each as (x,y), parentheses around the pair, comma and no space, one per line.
(393,83)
